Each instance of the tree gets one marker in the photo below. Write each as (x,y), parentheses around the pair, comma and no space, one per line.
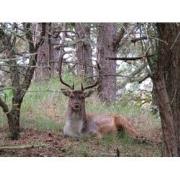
(43,72)
(166,80)
(20,83)
(84,51)
(108,40)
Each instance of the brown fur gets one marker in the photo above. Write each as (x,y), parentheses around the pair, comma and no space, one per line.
(111,124)
(78,123)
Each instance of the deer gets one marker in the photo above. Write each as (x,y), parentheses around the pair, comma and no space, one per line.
(78,123)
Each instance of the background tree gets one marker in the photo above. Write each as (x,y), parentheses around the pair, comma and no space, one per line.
(43,72)
(19,82)
(84,50)
(108,40)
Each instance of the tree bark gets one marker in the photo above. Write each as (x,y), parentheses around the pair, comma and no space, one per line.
(13,122)
(20,86)
(105,48)
(43,58)
(166,80)
(54,39)
(84,51)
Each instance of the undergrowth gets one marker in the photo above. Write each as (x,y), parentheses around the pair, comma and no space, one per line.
(44,109)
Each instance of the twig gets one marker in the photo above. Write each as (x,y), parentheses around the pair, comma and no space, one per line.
(26,146)
(175,41)
(134,40)
(146,38)
(128,58)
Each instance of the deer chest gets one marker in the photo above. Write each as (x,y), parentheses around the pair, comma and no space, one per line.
(73,127)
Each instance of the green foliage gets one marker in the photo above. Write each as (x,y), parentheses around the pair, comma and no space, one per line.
(44,101)
(44,109)
(8,94)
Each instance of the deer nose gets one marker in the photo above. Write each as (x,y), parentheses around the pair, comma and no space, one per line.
(76,106)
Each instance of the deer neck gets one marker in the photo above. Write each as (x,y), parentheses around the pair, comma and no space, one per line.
(76,122)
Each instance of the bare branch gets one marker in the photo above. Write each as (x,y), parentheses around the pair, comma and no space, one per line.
(138,70)
(119,36)
(97,81)
(4,106)
(134,40)
(128,58)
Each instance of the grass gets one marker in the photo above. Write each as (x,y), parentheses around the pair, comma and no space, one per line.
(44,109)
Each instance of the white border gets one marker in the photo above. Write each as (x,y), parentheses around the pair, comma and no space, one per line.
(89,168)
(90,10)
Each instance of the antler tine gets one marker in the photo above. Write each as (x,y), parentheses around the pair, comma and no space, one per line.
(60,77)
(97,81)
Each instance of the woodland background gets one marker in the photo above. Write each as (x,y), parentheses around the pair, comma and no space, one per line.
(139,78)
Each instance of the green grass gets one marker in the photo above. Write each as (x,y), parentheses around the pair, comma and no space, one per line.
(44,109)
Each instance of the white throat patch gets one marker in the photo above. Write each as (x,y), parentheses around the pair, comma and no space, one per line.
(73,127)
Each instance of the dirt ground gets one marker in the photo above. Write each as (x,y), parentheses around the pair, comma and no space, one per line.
(33,143)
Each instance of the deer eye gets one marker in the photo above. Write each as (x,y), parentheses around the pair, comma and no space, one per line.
(82,97)
(71,96)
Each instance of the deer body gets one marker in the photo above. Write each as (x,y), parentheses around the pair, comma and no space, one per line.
(98,125)
(78,123)
(73,125)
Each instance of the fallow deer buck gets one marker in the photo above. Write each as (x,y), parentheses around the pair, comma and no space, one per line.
(79,123)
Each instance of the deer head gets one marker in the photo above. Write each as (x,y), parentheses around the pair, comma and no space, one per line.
(77,97)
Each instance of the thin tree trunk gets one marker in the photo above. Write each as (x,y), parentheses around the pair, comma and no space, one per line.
(43,71)
(84,51)
(20,84)
(14,122)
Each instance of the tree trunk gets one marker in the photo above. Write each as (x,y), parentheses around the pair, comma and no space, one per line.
(84,51)
(166,80)
(20,84)
(169,137)
(14,122)
(54,52)
(105,48)
(43,72)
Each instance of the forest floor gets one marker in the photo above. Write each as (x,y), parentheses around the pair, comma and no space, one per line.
(42,120)
(34,143)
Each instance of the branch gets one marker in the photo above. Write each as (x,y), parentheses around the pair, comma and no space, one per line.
(33,59)
(28,33)
(42,35)
(127,35)
(143,78)
(119,36)
(4,106)
(138,70)
(128,58)
(146,38)
(73,43)
(139,39)
(63,31)
(26,146)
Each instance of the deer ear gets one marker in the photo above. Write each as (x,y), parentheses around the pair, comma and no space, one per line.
(88,93)
(66,92)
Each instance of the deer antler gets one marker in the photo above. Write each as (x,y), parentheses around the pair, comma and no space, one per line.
(60,77)
(96,83)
